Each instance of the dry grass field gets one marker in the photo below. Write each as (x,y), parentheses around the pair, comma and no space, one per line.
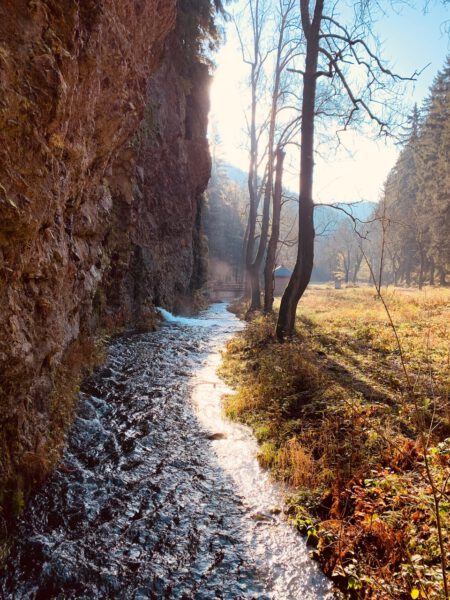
(355,416)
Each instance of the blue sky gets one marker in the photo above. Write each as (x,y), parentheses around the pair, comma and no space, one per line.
(410,40)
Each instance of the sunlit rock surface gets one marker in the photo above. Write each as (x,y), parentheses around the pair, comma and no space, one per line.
(103,160)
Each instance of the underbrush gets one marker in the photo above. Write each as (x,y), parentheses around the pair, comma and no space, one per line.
(336,420)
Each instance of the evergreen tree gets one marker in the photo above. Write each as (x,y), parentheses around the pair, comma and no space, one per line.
(416,201)
(434,171)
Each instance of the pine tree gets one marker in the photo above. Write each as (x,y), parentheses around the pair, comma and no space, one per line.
(416,200)
(434,170)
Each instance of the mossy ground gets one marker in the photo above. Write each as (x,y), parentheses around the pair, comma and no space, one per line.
(336,419)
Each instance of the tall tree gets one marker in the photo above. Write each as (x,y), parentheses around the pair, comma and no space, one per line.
(286,50)
(416,199)
(434,172)
(305,255)
(255,56)
(275,233)
(268,62)
(328,38)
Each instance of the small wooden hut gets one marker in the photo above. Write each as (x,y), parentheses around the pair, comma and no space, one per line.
(281,277)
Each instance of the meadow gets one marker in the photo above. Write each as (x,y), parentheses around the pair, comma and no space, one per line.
(353,414)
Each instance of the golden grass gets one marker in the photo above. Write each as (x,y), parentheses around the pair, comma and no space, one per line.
(356,315)
(338,422)
(295,460)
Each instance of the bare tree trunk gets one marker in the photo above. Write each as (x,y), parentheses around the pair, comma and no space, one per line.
(255,289)
(305,254)
(408,275)
(421,269)
(358,262)
(256,266)
(275,234)
(254,269)
(347,266)
(252,181)
(432,271)
(245,276)
(407,271)
(252,187)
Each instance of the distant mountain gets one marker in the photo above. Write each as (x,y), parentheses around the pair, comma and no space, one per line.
(236,174)
(359,210)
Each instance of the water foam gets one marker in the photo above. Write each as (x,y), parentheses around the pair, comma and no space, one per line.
(188,321)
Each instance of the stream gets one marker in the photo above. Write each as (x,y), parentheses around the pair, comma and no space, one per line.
(157,494)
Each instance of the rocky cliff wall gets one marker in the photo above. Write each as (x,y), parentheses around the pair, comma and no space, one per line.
(103,161)
(157,186)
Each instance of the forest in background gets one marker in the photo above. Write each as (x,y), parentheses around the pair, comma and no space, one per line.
(414,213)
(405,233)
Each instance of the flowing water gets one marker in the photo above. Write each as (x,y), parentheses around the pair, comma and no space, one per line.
(157,495)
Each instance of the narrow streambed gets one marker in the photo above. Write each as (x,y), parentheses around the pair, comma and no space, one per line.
(144,503)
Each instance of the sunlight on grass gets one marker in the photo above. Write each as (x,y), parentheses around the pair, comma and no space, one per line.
(337,422)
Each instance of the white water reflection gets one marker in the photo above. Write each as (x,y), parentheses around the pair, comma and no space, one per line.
(187,321)
(141,507)
(279,552)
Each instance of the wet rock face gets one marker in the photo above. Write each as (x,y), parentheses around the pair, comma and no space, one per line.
(101,184)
